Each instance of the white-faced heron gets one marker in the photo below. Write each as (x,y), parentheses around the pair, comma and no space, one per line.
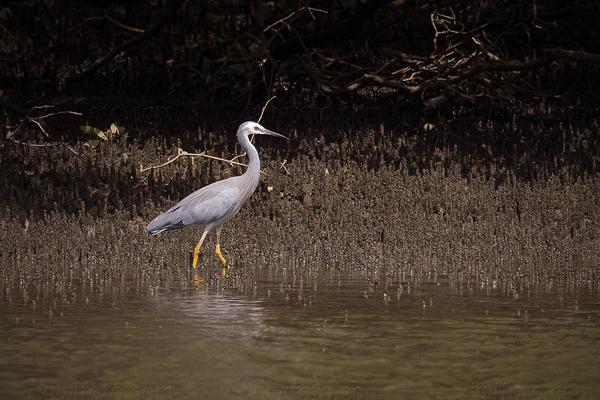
(215,204)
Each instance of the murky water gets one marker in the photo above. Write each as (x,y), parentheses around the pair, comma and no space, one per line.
(285,336)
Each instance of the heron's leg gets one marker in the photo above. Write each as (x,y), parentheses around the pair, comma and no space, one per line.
(218,249)
(197,249)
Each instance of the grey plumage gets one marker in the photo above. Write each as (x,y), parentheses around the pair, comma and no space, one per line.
(215,204)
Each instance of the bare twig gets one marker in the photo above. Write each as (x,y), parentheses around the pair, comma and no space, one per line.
(283,166)
(57,113)
(264,108)
(122,26)
(38,145)
(108,18)
(35,120)
(305,8)
(182,153)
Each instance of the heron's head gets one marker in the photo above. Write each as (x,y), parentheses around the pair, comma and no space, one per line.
(254,128)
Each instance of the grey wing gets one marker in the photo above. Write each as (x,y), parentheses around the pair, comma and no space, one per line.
(203,207)
(213,208)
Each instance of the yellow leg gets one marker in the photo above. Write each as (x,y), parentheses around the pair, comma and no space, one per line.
(218,249)
(197,249)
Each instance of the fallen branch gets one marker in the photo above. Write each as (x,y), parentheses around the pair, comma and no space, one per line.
(478,69)
(183,153)
(38,145)
(429,86)
(283,166)
(35,120)
(573,55)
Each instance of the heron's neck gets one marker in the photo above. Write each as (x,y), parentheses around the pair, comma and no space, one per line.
(253,160)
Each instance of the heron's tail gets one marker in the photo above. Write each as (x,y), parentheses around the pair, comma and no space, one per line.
(163,222)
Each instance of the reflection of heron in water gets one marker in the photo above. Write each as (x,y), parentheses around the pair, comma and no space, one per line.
(215,204)
(212,314)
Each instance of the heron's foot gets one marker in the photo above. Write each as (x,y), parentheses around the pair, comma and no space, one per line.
(197,281)
(218,251)
(196,252)
(224,271)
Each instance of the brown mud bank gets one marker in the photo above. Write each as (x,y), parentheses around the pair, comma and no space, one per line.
(334,209)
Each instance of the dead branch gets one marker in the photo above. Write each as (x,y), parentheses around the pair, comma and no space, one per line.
(264,108)
(478,69)
(453,62)
(122,26)
(38,145)
(108,18)
(310,10)
(27,118)
(573,55)
(182,153)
